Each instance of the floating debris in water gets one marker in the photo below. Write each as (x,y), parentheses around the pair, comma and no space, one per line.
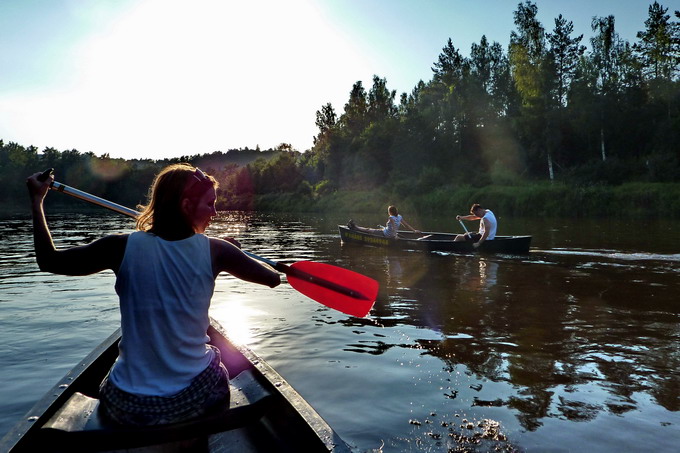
(469,436)
(487,403)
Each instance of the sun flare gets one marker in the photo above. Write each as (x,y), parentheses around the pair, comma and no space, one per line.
(235,315)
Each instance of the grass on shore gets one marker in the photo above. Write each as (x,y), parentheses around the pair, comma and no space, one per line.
(631,200)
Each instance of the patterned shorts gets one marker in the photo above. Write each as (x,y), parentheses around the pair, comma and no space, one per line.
(207,391)
(472,237)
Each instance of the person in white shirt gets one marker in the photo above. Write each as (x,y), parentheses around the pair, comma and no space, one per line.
(166,371)
(487,226)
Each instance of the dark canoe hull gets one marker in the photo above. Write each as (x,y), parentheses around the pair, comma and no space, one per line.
(279,421)
(434,241)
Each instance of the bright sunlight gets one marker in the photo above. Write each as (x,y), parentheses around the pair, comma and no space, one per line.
(184,78)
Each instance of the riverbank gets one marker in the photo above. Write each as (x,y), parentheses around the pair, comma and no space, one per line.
(631,200)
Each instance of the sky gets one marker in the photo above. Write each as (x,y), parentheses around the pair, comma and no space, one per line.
(168,78)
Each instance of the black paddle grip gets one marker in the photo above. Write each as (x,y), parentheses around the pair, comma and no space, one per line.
(46,174)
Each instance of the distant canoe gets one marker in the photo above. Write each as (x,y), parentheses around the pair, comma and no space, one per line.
(264,414)
(434,241)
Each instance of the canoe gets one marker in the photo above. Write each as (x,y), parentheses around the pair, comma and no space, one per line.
(435,241)
(265,413)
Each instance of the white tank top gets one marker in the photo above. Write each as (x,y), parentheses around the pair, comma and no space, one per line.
(164,289)
(392,228)
(494,225)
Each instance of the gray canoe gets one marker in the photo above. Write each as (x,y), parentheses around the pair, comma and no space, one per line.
(265,413)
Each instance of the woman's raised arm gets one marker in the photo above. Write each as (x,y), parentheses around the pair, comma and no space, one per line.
(104,253)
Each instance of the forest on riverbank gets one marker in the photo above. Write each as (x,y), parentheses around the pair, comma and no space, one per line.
(546,125)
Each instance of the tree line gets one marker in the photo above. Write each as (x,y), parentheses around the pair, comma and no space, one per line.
(544,108)
(242,173)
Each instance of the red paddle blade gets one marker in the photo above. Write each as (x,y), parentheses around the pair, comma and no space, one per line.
(335,287)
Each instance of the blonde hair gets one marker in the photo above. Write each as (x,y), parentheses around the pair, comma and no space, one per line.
(163,214)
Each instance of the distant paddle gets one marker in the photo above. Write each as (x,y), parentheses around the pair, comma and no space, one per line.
(335,287)
(463,225)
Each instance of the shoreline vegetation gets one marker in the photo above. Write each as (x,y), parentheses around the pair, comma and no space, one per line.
(544,125)
(628,200)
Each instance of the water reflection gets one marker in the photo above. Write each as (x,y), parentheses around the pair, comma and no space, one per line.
(479,274)
(559,344)
(571,340)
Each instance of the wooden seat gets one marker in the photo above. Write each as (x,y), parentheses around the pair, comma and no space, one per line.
(78,425)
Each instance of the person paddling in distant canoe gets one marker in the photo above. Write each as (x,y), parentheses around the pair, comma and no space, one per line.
(394,222)
(166,371)
(487,226)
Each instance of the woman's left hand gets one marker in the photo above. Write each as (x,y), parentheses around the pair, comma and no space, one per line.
(233,241)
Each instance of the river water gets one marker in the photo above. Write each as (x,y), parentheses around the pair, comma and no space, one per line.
(573,347)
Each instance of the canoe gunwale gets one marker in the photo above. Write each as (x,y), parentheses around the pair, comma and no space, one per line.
(286,409)
(436,241)
(47,406)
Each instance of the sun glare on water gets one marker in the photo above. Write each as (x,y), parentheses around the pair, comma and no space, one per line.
(236,316)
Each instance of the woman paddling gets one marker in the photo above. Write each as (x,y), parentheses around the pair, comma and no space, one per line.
(165,276)
(391,228)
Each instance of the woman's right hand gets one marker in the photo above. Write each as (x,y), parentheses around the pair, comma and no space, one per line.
(37,189)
